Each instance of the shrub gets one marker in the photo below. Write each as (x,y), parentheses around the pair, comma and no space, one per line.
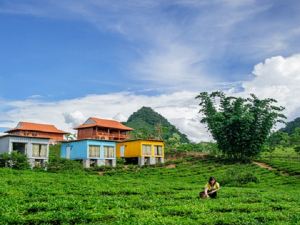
(54,152)
(15,160)
(236,177)
(60,165)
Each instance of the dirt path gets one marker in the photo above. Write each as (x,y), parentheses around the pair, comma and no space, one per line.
(263,165)
(268,167)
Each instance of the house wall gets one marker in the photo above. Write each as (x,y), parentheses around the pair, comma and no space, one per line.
(29,141)
(134,148)
(79,149)
(84,133)
(102,144)
(4,144)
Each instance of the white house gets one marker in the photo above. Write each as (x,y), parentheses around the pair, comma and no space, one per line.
(36,149)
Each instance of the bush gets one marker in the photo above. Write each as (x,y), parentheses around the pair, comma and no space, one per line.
(236,177)
(54,152)
(60,165)
(15,160)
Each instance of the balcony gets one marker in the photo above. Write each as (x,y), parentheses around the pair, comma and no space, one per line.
(110,136)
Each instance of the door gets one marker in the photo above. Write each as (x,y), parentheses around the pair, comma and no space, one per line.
(122,151)
(68,152)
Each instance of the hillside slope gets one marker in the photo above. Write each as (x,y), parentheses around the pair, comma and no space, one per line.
(291,126)
(150,124)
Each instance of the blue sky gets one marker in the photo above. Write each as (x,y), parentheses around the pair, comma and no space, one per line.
(56,51)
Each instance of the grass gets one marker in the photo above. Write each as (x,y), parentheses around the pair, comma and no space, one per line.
(249,195)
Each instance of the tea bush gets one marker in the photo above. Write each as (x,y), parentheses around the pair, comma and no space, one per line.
(237,177)
(64,165)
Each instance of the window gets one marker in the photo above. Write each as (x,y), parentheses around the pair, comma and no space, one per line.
(94,151)
(146,149)
(109,152)
(19,147)
(39,150)
(157,149)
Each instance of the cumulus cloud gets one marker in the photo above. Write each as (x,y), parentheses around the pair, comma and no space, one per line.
(180,108)
(278,77)
(74,118)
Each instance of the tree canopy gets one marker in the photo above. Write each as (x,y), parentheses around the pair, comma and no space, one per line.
(239,125)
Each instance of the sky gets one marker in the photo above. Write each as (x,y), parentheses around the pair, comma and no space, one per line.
(64,61)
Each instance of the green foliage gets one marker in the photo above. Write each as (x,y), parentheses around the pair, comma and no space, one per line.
(15,160)
(297,149)
(277,139)
(54,151)
(64,165)
(295,137)
(149,196)
(240,126)
(150,124)
(237,177)
(291,126)
(205,147)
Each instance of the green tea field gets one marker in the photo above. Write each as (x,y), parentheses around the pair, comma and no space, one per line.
(285,160)
(153,195)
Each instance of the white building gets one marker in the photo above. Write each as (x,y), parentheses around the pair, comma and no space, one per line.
(36,149)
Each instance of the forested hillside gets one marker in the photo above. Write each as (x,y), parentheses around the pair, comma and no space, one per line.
(150,124)
(291,126)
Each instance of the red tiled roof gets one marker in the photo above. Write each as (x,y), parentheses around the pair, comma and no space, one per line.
(37,127)
(104,123)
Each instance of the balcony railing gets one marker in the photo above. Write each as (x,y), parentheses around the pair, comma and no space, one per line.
(102,135)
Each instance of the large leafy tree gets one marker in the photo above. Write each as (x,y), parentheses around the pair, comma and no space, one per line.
(240,126)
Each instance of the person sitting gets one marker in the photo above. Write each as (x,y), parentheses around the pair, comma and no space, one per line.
(210,189)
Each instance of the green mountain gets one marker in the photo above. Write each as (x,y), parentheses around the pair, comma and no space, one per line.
(149,124)
(291,126)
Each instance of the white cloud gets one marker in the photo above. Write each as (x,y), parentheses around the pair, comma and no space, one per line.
(279,78)
(180,108)
(120,117)
(74,118)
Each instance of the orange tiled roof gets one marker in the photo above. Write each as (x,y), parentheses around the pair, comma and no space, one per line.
(36,127)
(104,123)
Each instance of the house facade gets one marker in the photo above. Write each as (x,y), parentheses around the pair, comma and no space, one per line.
(38,130)
(90,152)
(102,129)
(36,149)
(145,152)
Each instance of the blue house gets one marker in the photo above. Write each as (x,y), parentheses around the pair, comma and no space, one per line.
(90,152)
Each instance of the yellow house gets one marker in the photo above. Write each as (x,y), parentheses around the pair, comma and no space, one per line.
(146,152)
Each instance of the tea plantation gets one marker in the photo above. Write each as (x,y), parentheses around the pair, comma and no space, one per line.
(284,160)
(153,195)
